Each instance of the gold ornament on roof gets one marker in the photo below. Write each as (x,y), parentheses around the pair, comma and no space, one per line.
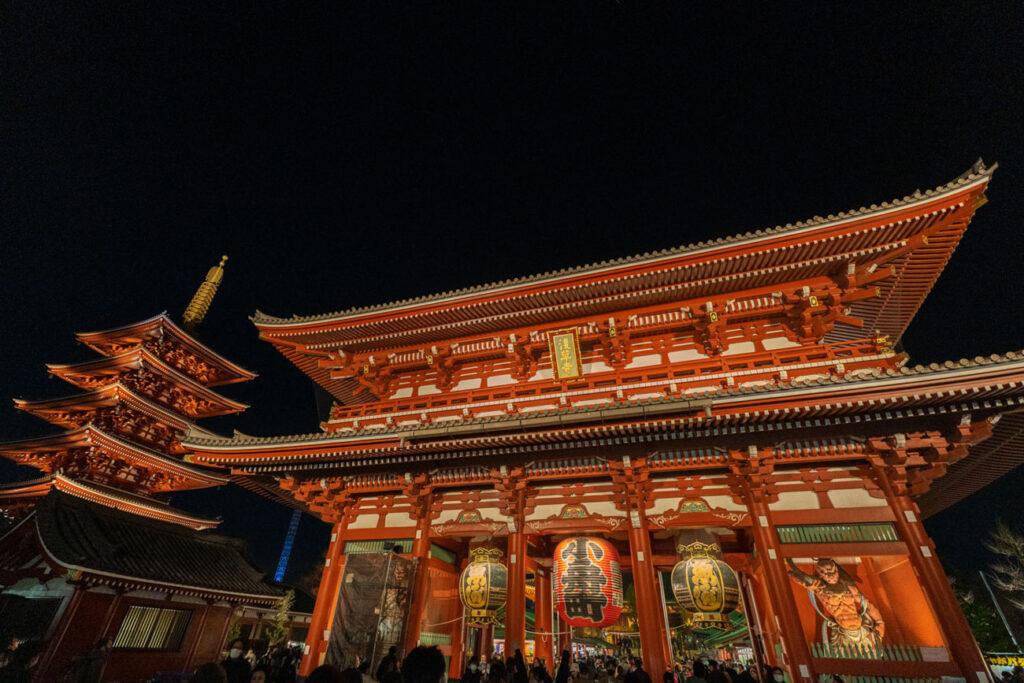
(200,304)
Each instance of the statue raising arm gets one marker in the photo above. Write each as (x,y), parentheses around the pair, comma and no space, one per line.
(801,577)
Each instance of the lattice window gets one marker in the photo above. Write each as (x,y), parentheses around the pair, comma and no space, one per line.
(153,628)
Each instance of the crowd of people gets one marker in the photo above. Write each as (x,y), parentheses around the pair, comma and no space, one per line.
(421,665)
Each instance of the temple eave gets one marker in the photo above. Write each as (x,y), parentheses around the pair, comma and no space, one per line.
(977,175)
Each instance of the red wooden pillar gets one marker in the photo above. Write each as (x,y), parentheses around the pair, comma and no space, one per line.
(487,641)
(564,641)
(755,626)
(459,635)
(798,655)
(653,639)
(515,604)
(921,549)
(46,661)
(190,661)
(326,597)
(420,551)
(542,646)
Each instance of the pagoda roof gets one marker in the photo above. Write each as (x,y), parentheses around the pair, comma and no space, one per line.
(103,495)
(108,369)
(110,395)
(111,342)
(987,385)
(20,491)
(87,436)
(121,548)
(916,235)
(127,502)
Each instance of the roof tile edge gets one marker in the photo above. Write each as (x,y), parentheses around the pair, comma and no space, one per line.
(977,172)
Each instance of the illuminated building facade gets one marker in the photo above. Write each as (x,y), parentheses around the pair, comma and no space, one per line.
(752,389)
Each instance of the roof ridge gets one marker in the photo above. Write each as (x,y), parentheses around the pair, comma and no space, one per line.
(977,171)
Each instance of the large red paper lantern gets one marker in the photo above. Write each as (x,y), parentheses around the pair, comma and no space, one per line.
(588,582)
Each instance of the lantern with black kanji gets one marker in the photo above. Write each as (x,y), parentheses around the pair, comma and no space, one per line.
(483,585)
(588,582)
(704,584)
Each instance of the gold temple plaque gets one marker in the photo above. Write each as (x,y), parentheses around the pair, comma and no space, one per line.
(566,360)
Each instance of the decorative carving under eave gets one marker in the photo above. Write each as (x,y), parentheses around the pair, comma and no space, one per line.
(613,340)
(752,469)
(439,358)
(632,481)
(575,518)
(709,324)
(523,355)
(152,386)
(179,357)
(374,375)
(696,512)
(470,523)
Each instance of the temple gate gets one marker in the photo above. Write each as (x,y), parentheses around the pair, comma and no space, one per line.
(751,389)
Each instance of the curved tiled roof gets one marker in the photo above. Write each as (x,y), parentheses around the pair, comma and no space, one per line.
(163,320)
(977,172)
(81,535)
(986,462)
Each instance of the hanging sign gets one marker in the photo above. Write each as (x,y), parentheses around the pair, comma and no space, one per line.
(566,359)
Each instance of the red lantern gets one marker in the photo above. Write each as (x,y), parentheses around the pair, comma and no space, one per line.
(588,582)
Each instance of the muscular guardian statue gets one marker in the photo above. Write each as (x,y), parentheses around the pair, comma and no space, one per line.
(851,619)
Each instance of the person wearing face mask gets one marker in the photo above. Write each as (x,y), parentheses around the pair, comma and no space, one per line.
(472,674)
(235,666)
(778,675)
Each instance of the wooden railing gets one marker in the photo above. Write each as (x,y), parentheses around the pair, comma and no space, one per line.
(429,639)
(838,533)
(713,370)
(896,653)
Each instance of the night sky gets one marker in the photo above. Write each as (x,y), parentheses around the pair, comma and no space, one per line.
(367,152)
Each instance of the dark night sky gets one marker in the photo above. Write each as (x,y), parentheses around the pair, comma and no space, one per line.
(376,151)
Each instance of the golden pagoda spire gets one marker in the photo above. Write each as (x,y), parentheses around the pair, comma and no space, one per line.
(200,303)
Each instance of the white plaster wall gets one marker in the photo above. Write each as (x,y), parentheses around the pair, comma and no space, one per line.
(778,343)
(685,354)
(500,380)
(796,500)
(605,508)
(398,519)
(854,498)
(545,511)
(446,516)
(664,505)
(644,361)
(428,389)
(466,384)
(404,392)
(364,522)
(739,347)
(492,513)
